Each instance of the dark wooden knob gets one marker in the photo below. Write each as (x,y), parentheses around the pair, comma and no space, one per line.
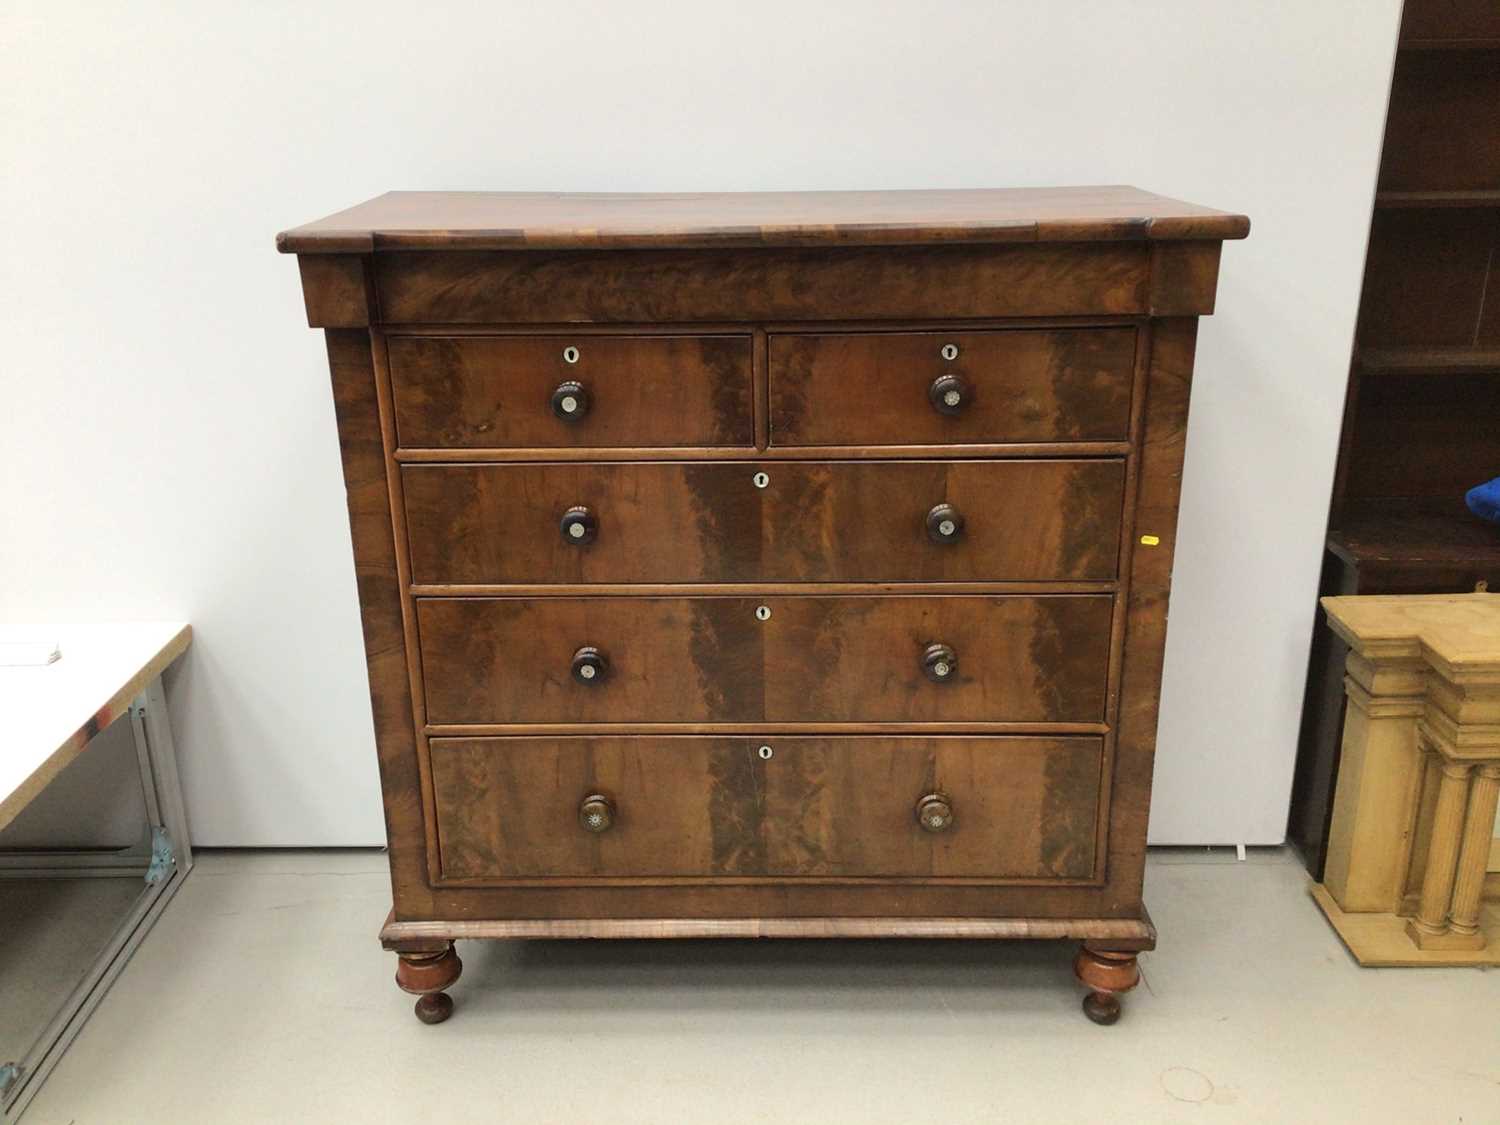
(950,394)
(579,525)
(940,663)
(589,665)
(935,813)
(596,813)
(570,401)
(945,524)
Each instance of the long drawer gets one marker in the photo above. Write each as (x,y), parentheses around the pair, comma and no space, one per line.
(466,392)
(1015,658)
(911,388)
(990,808)
(733,521)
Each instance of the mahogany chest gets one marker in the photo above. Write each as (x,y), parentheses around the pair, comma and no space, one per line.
(764,564)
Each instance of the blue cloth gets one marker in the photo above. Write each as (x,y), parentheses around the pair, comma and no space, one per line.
(1484,500)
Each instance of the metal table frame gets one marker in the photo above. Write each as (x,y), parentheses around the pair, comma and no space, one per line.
(162,860)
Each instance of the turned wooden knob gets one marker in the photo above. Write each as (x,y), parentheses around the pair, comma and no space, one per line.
(940,663)
(589,665)
(950,394)
(570,401)
(935,813)
(945,524)
(579,526)
(596,813)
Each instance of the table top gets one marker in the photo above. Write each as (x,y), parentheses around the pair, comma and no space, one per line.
(478,220)
(1458,633)
(51,711)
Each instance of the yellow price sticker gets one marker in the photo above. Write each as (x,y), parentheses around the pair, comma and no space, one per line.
(1150,540)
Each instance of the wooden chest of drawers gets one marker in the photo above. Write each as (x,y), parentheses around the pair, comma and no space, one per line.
(764,565)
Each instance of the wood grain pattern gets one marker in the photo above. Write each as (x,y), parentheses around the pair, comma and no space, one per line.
(815,659)
(776,453)
(1422,393)
(1443,122)
(1420,437)
(1120,932)
(871,388)
(586,286)
(1378,546)
(1449,22)
(1184,278)
(788,899)
(514,220)
(336,290)
(1149,576)
(708,522)
(467,392)
(362,447)
(697,807)
(1429,537)
(1425,277)
(767,334)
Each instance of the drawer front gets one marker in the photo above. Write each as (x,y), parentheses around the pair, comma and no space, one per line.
(469,392)
(1013,658)
(1021,808)
(1037,520)
(1016,385)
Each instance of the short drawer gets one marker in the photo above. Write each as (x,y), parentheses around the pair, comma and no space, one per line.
(774,521)
(683,807)
(470,392)
(917,388)
(1013,658)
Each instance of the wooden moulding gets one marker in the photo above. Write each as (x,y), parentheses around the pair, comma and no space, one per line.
(750,455)
(457,220)
(336,290)
(1380,939)
(1413,816)
(1125,934)
(475,287)
(603,287)
(1147,556)
(529,286)
(379,583)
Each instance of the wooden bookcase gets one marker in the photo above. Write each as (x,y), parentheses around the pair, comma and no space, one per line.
(1422,417)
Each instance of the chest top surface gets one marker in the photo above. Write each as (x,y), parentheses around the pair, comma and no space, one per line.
(434,220)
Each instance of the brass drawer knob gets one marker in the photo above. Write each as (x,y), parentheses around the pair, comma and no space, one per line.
(940,663)
(945,524)
(935,813)
(570,401)
(579,526)
(589,665)
(950,394)
(596,813)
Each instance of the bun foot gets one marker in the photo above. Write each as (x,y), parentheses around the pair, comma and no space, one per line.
(435,1007)
(426,975)
(1106,974)
(1101,1007)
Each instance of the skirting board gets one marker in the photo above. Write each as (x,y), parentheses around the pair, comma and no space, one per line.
(1380,940)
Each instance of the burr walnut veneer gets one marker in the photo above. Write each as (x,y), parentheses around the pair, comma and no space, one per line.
(764,565)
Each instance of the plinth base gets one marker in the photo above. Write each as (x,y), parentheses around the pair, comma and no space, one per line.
(1381,940)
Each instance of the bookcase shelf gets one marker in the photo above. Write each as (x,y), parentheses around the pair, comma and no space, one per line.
(1420,419)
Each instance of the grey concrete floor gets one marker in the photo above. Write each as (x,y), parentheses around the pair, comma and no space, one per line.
(262,996)
(50,932)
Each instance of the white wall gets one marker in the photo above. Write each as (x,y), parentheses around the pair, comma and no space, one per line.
(169,443)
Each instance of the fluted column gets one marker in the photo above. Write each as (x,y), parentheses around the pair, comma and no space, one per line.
(1419,782)
(1430,925)
(1473,856)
